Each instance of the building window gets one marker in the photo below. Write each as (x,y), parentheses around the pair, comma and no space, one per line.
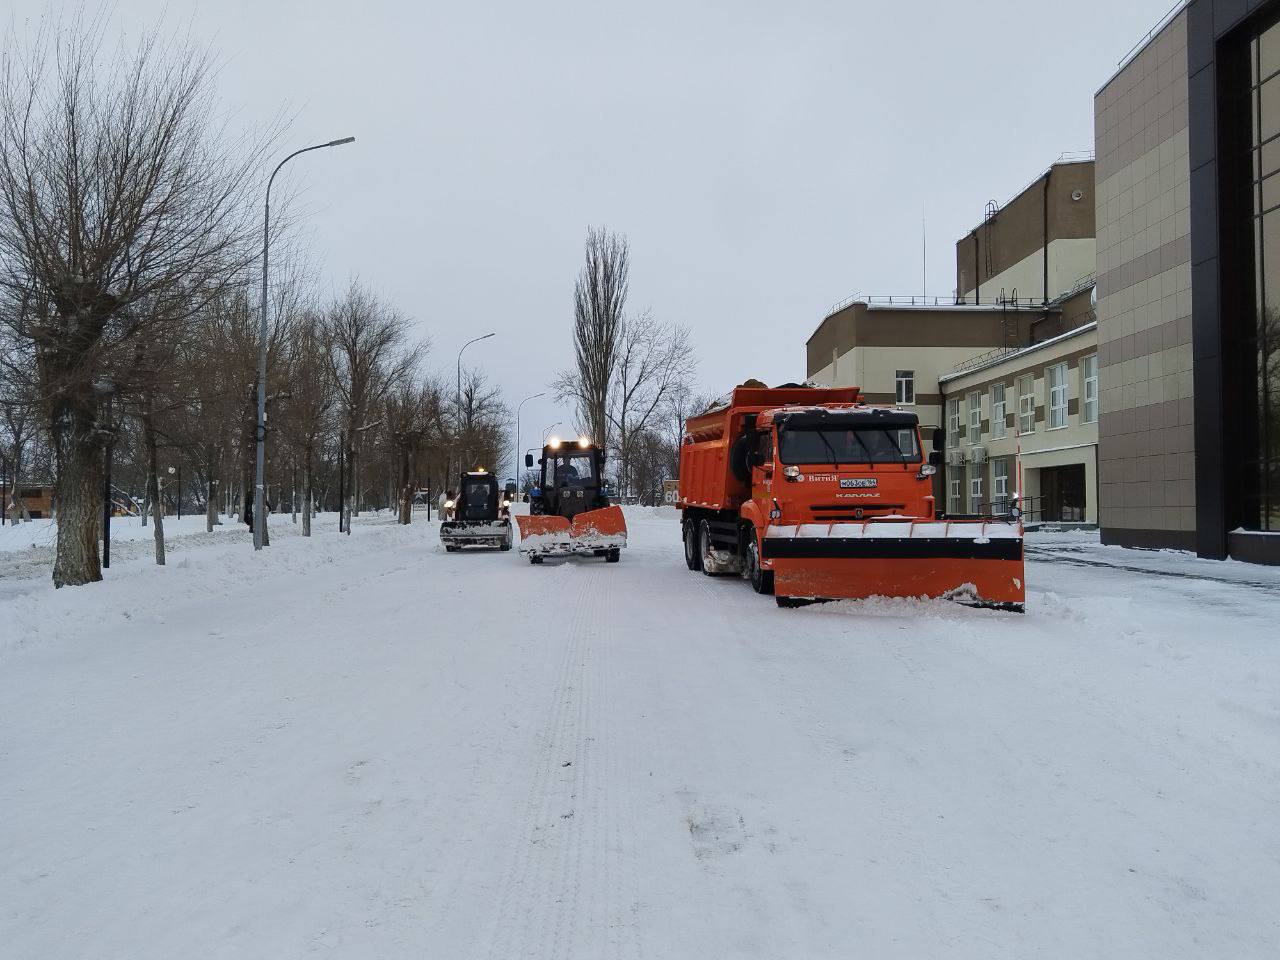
(1027,404)
(1089,389)
(975,489)
(998,428)
(975,417)
(906,386)
(1055,379)
(1000,485)
(953,495)
(953,422)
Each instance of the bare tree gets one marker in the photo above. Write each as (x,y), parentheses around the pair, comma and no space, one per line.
(18,426)
(368,352)
(482,422)
(118,188)
(599,299)
(654,362)
(414,413)
(308,413)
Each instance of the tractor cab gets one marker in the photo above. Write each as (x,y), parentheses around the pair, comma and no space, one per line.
(479,515)
(571,479)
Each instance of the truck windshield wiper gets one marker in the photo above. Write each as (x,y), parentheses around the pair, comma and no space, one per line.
(822,435)
(894,443)
(857,435)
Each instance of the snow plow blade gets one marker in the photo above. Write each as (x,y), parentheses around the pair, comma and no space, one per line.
(593,533)
(976,562)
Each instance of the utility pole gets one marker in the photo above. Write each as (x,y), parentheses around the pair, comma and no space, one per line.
(518,406)
(457,395)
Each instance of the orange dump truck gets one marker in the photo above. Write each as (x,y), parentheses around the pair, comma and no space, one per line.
(813,495)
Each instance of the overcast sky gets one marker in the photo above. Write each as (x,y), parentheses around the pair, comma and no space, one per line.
(765,159)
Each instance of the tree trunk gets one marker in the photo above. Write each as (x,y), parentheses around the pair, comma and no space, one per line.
(79,487)
(349,493)
(406,496)
(153,477)
(213,460)
(306,492)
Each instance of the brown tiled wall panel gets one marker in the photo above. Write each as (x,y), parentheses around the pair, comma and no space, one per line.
(1146,463)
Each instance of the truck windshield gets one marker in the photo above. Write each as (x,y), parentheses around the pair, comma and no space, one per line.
(572,469)
(844,445)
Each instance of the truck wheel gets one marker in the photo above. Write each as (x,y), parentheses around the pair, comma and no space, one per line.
(613,556)
(534,558)
(761,580)
(692,556)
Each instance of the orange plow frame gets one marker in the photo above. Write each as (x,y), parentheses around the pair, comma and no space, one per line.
(588,533)
(972,561)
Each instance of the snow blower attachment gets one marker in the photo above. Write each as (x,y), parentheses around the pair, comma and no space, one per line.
(813,495)
(480,515)
(569,512)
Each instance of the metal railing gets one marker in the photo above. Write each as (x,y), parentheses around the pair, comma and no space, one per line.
(919,300)
(982,358)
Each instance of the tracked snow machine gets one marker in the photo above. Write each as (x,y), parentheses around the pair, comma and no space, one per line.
(480,515)
(569,510)
(812,494)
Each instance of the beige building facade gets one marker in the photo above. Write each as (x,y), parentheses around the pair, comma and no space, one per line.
(1036,248)
(897,353)
(1146,454)
(964,367)
(1025,422)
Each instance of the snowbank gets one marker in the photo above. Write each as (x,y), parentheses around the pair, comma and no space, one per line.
(366,747)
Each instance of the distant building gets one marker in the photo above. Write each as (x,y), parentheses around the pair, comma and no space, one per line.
(1036,247)
(1036,407)
(36,498)
(965,364)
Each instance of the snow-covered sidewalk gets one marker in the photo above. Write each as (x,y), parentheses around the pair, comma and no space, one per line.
(365,747)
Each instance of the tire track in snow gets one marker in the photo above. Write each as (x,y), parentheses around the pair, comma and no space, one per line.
(569,888)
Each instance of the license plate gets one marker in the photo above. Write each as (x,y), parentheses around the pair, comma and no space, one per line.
(856,482)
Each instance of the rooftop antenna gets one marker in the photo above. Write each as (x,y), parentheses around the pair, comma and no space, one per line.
(924,252)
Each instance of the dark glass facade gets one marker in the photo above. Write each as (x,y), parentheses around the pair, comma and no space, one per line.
(1249,158)
(1261,342)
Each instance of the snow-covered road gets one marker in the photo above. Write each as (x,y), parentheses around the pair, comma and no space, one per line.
(364,747)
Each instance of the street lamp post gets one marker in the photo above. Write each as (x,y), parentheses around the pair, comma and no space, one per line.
(518,406)
(259,493)
(457,393)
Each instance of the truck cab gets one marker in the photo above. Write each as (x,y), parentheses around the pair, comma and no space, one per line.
(833,464)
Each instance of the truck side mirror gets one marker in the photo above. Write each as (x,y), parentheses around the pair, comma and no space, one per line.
(939,439)
(528,459)
(935,458)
